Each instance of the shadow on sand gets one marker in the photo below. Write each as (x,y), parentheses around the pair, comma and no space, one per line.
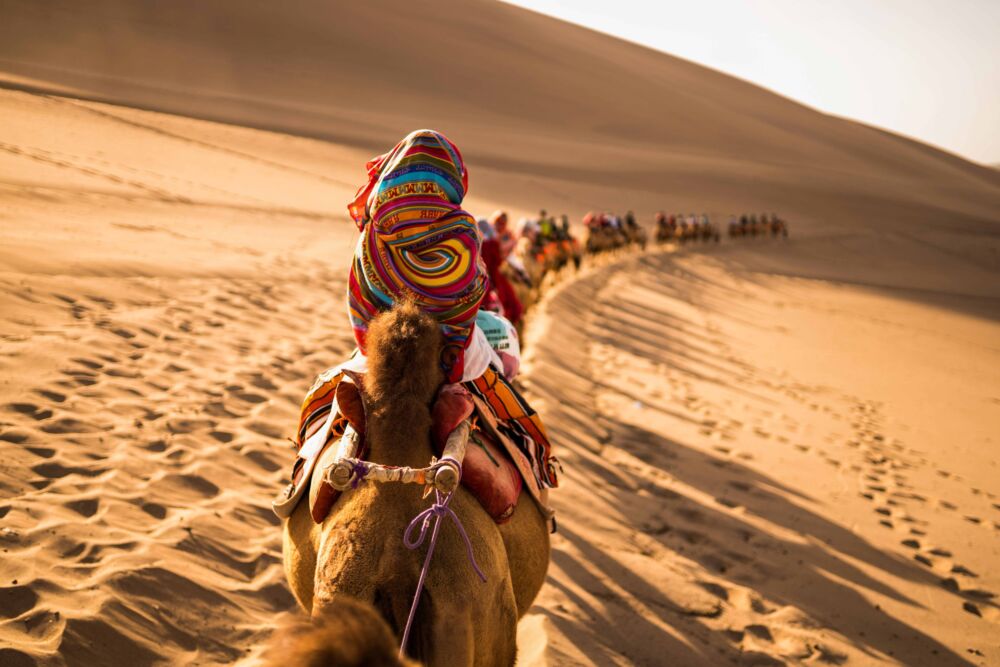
(786,555)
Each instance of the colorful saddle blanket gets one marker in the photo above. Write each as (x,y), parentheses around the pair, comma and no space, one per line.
(508,449)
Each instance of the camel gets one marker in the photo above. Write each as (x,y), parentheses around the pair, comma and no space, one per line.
(358,549)
(603,239)
(637,236)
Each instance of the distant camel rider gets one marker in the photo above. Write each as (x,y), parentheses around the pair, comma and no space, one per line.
(505,236)
(493,259)
(546,225)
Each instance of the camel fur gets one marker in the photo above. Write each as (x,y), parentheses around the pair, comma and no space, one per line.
(358,551)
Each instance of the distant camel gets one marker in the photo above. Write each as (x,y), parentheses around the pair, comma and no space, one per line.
(358,549)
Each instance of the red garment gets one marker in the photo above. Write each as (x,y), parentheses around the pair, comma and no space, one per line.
(512,308)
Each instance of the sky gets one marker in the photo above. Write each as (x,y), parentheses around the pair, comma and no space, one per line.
(928,69)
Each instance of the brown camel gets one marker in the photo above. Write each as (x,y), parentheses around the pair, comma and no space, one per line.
(358,550)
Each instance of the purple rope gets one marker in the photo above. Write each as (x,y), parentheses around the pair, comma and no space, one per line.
(436,511)
(358,471)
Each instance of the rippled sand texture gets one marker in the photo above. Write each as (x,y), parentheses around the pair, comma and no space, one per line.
(775,451)
(763,469)
(160,326)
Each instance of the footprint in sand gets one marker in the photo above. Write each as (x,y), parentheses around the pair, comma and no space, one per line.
(56,470)
(250,397)
(260,381)
(122,373)
(88,363)
(220,410)
(84,507)
(940,560)
(953,585)
(101,301)
(53,396)
(155,510)
(263,459)
(155,446)
(266,429)
(16,600)
(15,436)
(189,483)
(31,410)
(78,378)
(65,425)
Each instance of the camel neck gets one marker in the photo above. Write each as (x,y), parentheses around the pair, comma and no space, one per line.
(399,432)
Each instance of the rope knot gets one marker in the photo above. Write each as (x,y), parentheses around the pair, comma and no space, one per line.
(358,473)
(436,511)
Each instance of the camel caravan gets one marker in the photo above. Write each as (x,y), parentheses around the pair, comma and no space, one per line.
(417,520)
(752,226)
(682,228)
(607,232)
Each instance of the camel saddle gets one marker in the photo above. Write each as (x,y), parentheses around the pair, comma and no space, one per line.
(493,469)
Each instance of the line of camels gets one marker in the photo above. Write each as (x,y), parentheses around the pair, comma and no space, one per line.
(351,572)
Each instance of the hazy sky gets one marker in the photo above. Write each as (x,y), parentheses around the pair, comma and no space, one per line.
(929,69)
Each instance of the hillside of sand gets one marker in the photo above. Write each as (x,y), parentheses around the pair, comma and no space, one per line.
(752,472)
(774,453)
(550,114)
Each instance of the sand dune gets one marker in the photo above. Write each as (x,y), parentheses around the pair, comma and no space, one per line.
(749,479)
(775,452)
(546,110)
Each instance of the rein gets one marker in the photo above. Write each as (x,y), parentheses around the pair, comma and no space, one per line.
(437,511)
(443,476)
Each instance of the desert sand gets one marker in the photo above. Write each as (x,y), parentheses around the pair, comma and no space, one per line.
(774,451)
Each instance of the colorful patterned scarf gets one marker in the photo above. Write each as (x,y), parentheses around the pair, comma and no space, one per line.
(417,243)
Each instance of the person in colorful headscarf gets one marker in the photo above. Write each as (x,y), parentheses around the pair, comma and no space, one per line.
(498,282)
(416,243)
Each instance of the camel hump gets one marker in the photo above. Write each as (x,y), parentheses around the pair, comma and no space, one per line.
(346,633)
(404,350)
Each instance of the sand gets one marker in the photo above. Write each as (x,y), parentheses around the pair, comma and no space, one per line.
(774,451)
(782,468)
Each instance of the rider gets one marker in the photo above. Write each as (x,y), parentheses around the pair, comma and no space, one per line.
(546,226)
(492,254)
(416,243)
(505,236)
(630,221)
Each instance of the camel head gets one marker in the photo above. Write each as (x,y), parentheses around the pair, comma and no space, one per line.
(404,373)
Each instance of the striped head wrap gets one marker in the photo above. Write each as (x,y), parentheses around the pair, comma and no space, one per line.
(417,243)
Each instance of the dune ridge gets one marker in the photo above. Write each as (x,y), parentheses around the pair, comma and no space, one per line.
(554,112)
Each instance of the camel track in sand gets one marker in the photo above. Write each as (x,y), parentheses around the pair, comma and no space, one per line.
(161,325)
(677,539)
